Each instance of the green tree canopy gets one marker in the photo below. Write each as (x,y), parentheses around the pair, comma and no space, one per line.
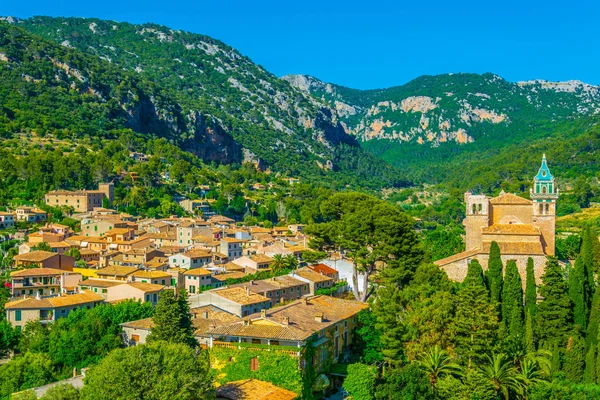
(154,371)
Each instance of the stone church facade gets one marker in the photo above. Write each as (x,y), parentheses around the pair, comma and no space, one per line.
(522,228)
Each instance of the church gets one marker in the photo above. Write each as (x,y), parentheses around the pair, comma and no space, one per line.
(522,228)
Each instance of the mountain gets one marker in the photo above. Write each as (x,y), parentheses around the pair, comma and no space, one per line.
(93,77)
(435,125)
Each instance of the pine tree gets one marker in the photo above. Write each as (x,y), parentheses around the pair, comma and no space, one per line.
(173,320)
(578,291)
(474,275)
(529,336)
(575,358)
(476,324)
(494,275)
(593,325)
(512,301)
(530,288)
(590,366)
(554,313)
(597,366)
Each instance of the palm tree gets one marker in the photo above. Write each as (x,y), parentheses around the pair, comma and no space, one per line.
(291,262)
(530,374)
(502,374)
(437,363)
(278,263)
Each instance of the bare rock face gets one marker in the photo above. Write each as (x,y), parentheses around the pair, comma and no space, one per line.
(211,142)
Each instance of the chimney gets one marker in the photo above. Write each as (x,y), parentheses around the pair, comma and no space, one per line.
(205,314)
(304,301)
(212,327)
(263,313)
(319,317)
(246,321)
(285,321)
(247,290)
(251,282)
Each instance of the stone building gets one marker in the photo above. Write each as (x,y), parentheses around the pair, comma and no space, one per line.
(522,228)
(81,200)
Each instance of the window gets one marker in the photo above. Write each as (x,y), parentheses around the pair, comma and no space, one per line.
(254,364)
(135,338)
(256,341)
(18,315)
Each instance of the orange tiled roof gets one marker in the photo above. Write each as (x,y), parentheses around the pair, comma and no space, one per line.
(253,389)
(509,198)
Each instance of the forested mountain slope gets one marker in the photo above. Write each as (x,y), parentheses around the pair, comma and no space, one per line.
(91,77)
(459,127)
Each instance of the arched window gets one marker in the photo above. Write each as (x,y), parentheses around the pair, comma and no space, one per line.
(547,208)
(480,207)
(541,209)
(543,189)
(474,209)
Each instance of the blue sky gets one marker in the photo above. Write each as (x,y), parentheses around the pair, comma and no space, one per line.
(372,44)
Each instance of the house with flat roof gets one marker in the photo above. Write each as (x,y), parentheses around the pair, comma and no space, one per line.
(98,286)
(254,263)
(279,289)
(48,309)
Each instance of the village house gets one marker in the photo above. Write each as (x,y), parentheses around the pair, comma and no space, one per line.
(21,311)
(155,277)
(80,200)
(254,263)
(99,286)
(41,281)
(145,292)
(100,226)
(7,220)
(197,279)
(44,259)
(203,319)
(238,301)
(326,320)
(190,229)
(314,279)
(194,258)
(116,273)
(30,214)
(231,247)
(326,270)
(279,289)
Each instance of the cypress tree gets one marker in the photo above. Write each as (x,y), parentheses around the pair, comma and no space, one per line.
(554,313)
(474,275)
(512,300)
(530,288)
(578,291)
(529,337)
(590,366)
(597,366)
(173,320)
(593,325)
(494,275)
(575,358)
(556,362)
(476,324)
(387,308)
(587,255)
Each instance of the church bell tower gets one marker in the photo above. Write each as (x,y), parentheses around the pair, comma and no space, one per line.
(544,194)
